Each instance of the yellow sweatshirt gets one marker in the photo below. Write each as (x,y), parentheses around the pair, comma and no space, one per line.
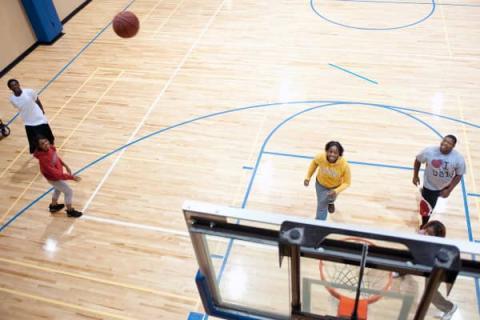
(330,175)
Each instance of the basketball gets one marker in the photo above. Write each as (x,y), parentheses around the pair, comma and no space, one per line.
(126,24)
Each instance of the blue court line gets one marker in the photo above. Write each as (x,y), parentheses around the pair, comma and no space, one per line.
(247,168)
(318,13)
(413,2)
(252,178)
(125,146)
(470,235)
(352,73)
(277,104)
(291,155)
(426,124)
(59,73)
(371,164)
(471,124)
(467,210)
(227,254)
(225,259)
(267,139)
(262,151)
(268,105)
(473,194)
(439,116)
(216,256)
(13,118)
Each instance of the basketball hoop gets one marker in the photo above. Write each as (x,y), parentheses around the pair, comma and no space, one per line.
(348,276)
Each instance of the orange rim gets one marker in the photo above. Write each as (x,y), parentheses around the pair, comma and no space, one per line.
(372,299)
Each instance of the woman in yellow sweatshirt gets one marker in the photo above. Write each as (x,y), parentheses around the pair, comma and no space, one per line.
(333,177)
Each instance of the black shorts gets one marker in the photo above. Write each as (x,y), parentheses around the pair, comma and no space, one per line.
(431,196)
(33,132)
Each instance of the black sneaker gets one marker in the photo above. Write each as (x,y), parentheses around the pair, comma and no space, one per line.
(56,207)
(331,207)
(74,213)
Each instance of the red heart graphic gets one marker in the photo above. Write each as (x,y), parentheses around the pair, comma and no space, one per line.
(437,163)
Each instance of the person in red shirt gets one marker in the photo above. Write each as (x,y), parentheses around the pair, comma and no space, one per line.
(437,229)
(51,167)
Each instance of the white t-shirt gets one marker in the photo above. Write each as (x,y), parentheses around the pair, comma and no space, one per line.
(440,168)
(29,110)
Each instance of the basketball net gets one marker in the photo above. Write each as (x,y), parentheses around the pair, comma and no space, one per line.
(347,275)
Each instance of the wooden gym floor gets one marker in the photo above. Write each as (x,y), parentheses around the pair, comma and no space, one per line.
(209,93)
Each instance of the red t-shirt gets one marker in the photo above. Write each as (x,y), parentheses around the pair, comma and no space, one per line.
(50,165)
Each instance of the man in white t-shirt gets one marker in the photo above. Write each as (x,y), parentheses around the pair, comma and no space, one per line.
(443,171)
(32,113)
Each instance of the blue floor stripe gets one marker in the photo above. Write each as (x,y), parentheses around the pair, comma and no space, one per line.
(13,118)
(290,155)
(470,124)
(352,73)
(372,164)
(267,139)
(24,209)
(414,2)
(224,262)
(59,73)
(277,104)
(247,168)
(467,210)
(318,12)
(216,256)
(474,194)
(439,135)
(262,151)
(470,234)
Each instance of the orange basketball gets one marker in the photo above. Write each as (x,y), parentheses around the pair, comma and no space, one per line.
(126,24)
